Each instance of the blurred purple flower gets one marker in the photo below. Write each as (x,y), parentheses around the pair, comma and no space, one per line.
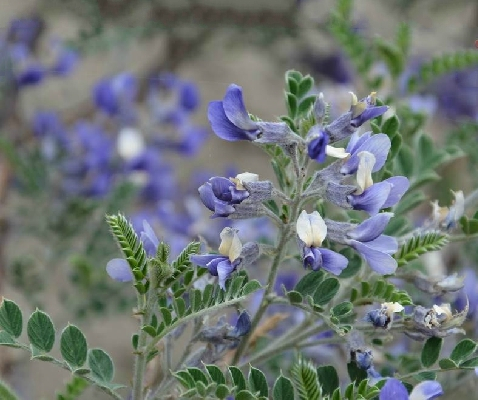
(116,95)
(396,390)
(24,30)
(119,270)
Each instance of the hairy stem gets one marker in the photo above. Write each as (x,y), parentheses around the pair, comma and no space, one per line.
(284,236)
(144,306)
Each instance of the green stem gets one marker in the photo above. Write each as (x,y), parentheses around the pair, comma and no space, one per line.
(461,238)
(265,301)
(284,237)
(145,307)
(191,316)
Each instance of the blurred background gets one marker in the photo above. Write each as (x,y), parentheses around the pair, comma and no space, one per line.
(103,107)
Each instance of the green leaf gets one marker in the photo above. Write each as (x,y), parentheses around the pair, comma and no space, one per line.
(446,363)
(238,378)
(6,393)
(354,265)
(216,374)
(198,375)
(306,381)
(426,376)
(258,382)
(328,378)
(390,126)
(7,340)
(424,177)
(291,102)
(471,363)
(408,202)
(469,226)
(343,309)
(41,331)
(293,75)
(134,341)
(150,330)
(431,351)
(245,395)
(129,243)
(73,346)
(283,389)
(183,258)
(73,389)
(463,350)
(306,104)
(185,379)
(391,55)
(222,391)
(355,373)
(162,252)
(326,291)
(305,86)
(309,283)
(166,314)
(251,287)
(421,244)
(403,38)
(40,354)
(294,297)
(11,320)
(101,365)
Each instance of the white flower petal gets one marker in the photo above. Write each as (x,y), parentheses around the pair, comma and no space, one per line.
(393,307)
(337,152)
(231,245)
(245,177)
(459,204)
(311,228)
(130,143)
(364,170)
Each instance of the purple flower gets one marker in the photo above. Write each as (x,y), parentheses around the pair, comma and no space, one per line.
(367,239)
(383,317)
(374,247)
(66,61)
(24,30)
(119,270)
(220,194)
(378,144)
(365,110)
(372,197)
(242,327)
(380,195)
(225,263)
(230,121)
(317,146)
(312,230)
(189,96)
(31,74)
(224,196)
(149,239)
(396,390)
(229,118)
(114,95)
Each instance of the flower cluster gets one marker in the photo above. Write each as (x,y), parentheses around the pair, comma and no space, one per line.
(18,49)
(346,183)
